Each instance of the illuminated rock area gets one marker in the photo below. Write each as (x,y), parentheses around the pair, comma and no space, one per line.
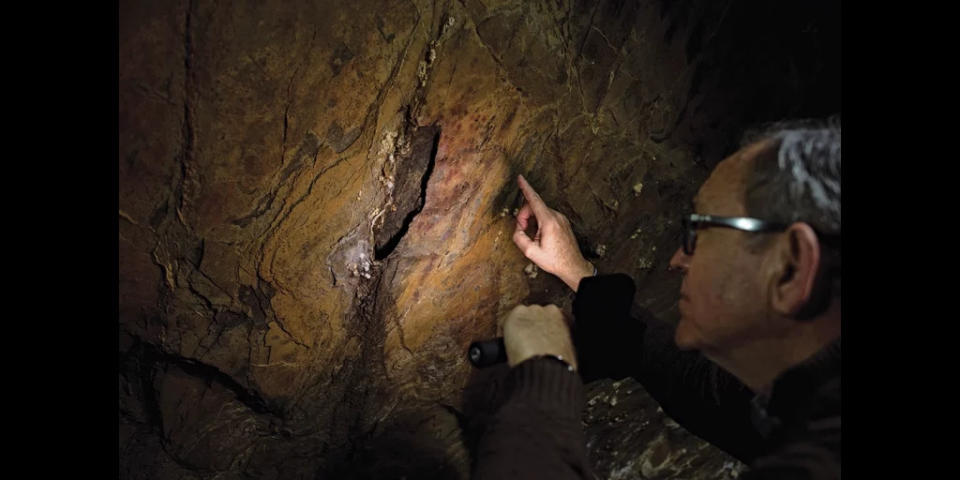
(316,207)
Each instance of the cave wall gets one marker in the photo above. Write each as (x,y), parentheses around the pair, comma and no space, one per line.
(316,205)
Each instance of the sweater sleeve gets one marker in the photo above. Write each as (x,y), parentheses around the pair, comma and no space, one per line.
(693,391)
(536,433)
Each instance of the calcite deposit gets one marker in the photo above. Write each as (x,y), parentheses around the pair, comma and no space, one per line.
(312,202)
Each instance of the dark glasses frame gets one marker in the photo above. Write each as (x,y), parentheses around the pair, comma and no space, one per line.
(693,222)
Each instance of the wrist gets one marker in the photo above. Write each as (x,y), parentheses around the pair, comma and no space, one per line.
(568,362)
(587,269)
(565,355)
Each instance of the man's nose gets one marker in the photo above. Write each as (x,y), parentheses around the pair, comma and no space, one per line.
(679,261)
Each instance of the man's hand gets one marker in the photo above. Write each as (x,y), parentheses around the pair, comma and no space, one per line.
(554,248)
(533,330)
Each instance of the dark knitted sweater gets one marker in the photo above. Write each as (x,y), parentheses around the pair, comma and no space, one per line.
(795,433)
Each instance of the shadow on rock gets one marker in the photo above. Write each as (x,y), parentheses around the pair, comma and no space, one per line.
(400,451)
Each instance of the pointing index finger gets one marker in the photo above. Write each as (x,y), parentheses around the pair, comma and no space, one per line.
(540,209)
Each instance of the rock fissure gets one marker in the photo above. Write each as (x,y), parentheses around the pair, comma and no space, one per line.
(150,357)
(373,111)
(188,132)
(412,177)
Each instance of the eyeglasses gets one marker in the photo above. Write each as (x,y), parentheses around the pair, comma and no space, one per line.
(692,223)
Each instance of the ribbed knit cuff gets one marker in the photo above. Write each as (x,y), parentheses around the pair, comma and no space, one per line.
(604,296)
(548,384)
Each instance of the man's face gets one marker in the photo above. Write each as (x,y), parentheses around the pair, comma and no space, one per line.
(722,300)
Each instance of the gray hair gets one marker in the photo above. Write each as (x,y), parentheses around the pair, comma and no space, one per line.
(797,178)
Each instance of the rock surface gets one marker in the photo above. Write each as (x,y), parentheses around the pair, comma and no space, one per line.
(316,209)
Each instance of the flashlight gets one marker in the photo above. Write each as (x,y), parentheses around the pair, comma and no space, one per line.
(487,352)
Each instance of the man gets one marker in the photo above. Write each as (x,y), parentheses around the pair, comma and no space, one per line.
(760,299)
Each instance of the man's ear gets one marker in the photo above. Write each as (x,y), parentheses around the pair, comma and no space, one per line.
(797,261)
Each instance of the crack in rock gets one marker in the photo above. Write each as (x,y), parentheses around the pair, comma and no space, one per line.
(412,175)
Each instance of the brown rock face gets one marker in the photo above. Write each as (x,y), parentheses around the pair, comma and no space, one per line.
(316,209)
